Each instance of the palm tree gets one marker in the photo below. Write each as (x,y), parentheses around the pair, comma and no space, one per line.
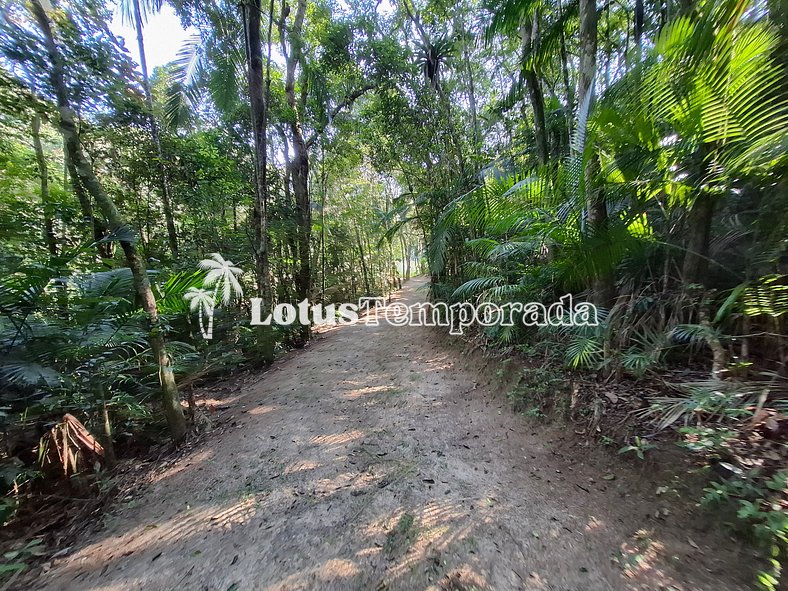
(203,301)
(712,87)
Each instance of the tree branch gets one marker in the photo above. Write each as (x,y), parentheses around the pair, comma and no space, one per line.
(347,102)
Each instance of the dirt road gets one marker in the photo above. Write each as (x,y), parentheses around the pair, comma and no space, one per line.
(378,459)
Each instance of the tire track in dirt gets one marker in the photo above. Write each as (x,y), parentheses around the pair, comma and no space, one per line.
(374,460)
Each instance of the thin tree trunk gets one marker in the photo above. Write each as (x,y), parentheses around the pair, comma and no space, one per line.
(364,271)
(299,166)
(639,17)
(528,31)
(699,219)
(570,91)
(608,46)
(323,232)
(43,174)
(477,136)
(87,178)
(109,445)
(254,54)
(453,138)
(300,176)
(404,256)
(164,180)
(588,47)
(720,357)
(407,261)
(603,281)
(49,229)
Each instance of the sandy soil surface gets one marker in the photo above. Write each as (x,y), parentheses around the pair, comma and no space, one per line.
(378,458)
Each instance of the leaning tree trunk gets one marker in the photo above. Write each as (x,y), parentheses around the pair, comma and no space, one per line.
(164,180)
(98,226)
(257,98)
(43,174)
(87,178)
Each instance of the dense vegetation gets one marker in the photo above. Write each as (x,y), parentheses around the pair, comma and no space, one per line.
(630,153)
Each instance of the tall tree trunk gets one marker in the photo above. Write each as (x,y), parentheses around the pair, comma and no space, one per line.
(299,166)
(570,91)
(257,98)
(300,178)
(87,178)
(608,46)
(588,47)
(323,192)
(696,261)
(43,173)
(528,31)
(699,218)
(164,180)
(477,135)
(603,282)
(639,19)
(453,139)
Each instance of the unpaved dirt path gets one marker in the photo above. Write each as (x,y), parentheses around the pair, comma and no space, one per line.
(377,459)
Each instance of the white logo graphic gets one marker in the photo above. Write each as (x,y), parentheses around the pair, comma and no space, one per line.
(457,317)
(222,277)
(221,285)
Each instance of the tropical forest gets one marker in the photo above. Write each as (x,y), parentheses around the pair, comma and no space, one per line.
(394,295)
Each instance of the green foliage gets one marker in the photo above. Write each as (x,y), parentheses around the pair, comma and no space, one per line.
(702,439)
(639,447)
(535,389)
(702,402)
(16,560)
(415,130)
(760,506)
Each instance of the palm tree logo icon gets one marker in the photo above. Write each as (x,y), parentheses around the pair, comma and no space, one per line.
(222,277)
